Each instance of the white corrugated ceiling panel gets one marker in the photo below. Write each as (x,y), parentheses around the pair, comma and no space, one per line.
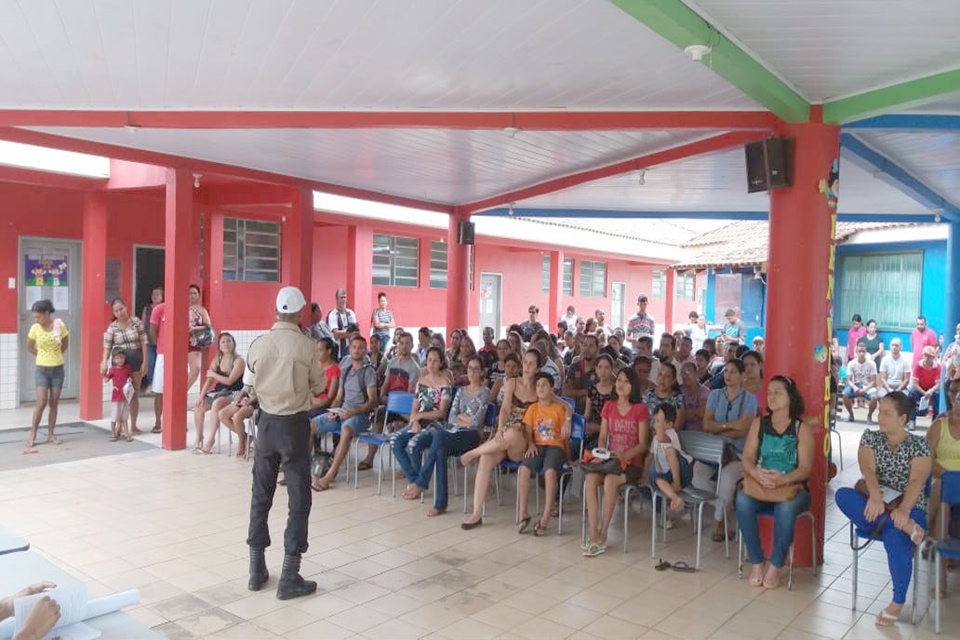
(830,49)
(933,157)
(344,54)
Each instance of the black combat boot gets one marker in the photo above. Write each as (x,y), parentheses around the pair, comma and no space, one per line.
(292,585)
(258,570)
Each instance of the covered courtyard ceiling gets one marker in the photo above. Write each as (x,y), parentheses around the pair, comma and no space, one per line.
(543,107)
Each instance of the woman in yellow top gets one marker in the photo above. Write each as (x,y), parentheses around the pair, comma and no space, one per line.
(944,439)
(47,340)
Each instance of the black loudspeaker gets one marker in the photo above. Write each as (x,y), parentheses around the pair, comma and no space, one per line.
(465,232)
(769,164)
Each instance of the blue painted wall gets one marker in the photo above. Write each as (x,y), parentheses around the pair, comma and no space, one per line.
(753,301)
(932,292)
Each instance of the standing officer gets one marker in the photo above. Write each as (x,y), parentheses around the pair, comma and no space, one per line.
(286,374)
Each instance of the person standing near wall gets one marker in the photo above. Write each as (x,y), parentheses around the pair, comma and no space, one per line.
(382,321)
(339,319)
(286,376)
(156,297)
(47,340)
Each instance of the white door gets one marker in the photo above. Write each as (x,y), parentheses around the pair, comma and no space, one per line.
(490,302)
(50,269)
(616,304)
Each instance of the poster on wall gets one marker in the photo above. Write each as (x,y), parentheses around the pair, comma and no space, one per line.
(47,270)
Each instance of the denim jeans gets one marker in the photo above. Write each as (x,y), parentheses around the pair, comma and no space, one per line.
(444,444)
(916,396)
(408,448)
(784,519)
(897,543)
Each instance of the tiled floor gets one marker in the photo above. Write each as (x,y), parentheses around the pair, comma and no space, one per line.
(173,525)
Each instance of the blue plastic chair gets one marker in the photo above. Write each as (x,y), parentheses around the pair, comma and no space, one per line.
(398,402)
(947,548)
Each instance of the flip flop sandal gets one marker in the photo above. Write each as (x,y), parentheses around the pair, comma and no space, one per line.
(555,512)
(114,437)
(918,535)
(885,619)
(522,527)
(364,466)
(156,430)
(433,513)
(594,550)
(663,565)
(129,438)
(539,530)
(683,567)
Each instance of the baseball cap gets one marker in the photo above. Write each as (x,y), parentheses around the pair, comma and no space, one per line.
(290,300)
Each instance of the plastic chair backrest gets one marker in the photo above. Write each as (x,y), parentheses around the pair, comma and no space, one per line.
(704,447)
(950,488)
(400,402)
(491,418)
(578,429)
(570,401)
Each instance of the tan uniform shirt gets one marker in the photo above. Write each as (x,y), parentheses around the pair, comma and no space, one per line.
(286,370)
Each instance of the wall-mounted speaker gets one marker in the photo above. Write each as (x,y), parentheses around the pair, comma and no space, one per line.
(769,164)
(465,232)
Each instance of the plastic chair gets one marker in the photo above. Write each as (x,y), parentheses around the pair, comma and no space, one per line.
(813,545)
(856,534)
(707,448)
(947,548)
(398,402)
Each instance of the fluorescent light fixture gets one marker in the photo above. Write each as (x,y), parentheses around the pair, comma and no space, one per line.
(27,156)
(378,211)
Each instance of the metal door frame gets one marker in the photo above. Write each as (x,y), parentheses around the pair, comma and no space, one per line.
(499,303)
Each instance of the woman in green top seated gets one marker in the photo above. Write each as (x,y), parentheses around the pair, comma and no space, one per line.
(777,459)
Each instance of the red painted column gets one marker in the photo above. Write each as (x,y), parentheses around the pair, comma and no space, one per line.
(555,309)
(214,275)
(670,303)
(359,284)
(799,296)
(93,308)
(180,258)
(458,291)
(297,247)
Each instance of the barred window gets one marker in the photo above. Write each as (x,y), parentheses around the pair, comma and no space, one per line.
(686,285)
(881,286)
(659,289)
(396,261)
(593,279)
(545,284)
(251,250)
(438,265)
(568,276)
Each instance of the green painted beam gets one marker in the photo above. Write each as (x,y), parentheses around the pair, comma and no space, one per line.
(682,26)
(880,100)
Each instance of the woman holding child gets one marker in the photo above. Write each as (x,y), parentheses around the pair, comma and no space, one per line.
(623,428)
(777,459)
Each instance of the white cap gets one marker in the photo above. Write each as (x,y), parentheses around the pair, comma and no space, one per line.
(290,300)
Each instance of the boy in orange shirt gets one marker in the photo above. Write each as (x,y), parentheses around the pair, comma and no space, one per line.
(547,429)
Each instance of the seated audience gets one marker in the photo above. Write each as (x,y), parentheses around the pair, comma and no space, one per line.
(891,461)
(463,432)
(702,359)
(581,374)
(516,342)
(730,413)
(546,426)
(695,397)
(758,344)
(453,353)
(235,414)
(318,327)
(894,370)
(861,383)
(531,325)
(430,411)
(671,470)
(400,374)
(944,440)
(224,378)
(624,431)
(326,355)
(600,392)
(423,343)
(642,366)
(350,412)
(924,385)
(685,350)
(488,352)
(753,376)
(777,460)
(509,441)
(666,391)
(511,369)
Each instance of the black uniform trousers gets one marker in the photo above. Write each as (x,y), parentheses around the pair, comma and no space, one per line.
(281,440)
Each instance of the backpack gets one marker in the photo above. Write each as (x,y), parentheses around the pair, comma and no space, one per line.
(367,366)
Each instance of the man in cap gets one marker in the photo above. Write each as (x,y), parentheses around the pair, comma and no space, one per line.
(285,376)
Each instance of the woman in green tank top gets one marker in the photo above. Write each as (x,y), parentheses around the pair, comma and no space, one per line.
(777,458)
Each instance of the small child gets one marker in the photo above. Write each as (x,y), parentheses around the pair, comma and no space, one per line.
(547,424)
(672,468)
(119,374)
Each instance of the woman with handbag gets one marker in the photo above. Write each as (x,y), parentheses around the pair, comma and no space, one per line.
(889,502)
(201,335)
(777,459)
(625,422)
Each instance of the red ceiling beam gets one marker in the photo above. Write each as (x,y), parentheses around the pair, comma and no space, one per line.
(526,120)
(143,156)
(37,178)
(249,194)
(126,175)
(709,145)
